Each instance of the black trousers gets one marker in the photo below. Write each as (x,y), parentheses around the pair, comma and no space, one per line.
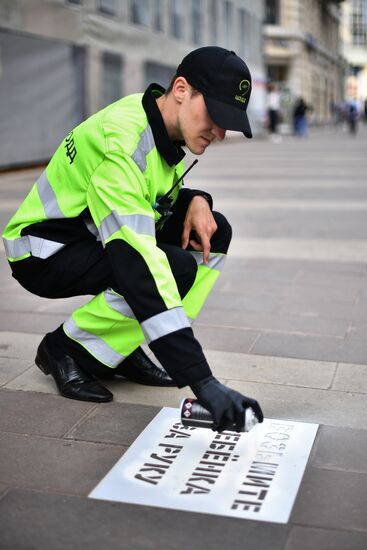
(83,268)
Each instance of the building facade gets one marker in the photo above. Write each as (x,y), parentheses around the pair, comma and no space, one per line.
(354,34)
(62,60)
(303,53)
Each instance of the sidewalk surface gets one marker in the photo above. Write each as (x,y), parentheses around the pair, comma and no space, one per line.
(285,324)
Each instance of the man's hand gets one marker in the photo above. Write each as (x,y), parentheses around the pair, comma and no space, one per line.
(228,407)
(199,218)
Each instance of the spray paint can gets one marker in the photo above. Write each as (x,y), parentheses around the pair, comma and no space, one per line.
(194,414)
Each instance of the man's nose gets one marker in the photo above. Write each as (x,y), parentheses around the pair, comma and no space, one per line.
(218,132)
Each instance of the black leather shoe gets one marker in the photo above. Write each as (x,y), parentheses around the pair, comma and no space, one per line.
(138,368)
(72,381)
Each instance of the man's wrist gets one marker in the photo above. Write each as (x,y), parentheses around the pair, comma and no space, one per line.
(193,193)
(206,198)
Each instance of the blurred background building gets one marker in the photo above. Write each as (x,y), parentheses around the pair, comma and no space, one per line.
(303,54)
(62,60)
(354,34)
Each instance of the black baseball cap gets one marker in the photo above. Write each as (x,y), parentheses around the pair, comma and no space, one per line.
(225,82)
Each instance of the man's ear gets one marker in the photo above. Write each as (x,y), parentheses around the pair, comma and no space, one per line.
(180,88)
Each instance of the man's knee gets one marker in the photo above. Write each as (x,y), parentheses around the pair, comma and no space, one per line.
(185,272)
(222,237)
(183,266)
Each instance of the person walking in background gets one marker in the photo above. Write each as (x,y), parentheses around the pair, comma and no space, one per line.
(352,116)
(273,103)
(299,118)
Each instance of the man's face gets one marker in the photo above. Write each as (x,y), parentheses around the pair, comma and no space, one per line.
(195,125)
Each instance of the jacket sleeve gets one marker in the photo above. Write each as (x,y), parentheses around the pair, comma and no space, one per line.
(118,201)
(184,198)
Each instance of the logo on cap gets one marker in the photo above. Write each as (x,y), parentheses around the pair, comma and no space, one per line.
(244,87)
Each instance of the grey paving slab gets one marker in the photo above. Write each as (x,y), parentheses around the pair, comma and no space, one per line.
(31,322)
(318,348)
(315,249)
(117,423)
(65,306)
(288,270)
(301,302)
(350,377)
(279,321)
(33,379)
(3,490)
(18,344)
(39,414)
(340,223)
(322,306)
(38,521)
(22,302)
(303,538)
(261,299)
(56,465)
(272,370)
(330,499)
(331,279)
(305,404)
(127,392)
(10,368)
(223,338)
(358,330)
(341,449)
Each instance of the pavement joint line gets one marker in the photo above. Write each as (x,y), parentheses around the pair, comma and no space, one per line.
(19,373)
(334,376)
(96,442)
(84,417)
(256,339)
(66,442)
(271,330)
(284,385)
(294,525)
(337,469)
(5,492)
(111,443)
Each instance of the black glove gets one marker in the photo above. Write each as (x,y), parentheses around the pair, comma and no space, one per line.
(227,407)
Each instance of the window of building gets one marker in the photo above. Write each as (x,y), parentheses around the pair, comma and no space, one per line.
(255,38)
(158,15)
(139,12)
(111,77)
(76,2)
(108,7)
(157,72)
(277,73)
(244,34)
(272,12)
(177,16)
(228,23)
(359,22)
(213,18)
(196,20)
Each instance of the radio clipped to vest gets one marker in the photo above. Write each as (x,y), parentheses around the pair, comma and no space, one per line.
(164,204)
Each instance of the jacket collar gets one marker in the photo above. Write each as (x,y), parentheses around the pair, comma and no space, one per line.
(171,151)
